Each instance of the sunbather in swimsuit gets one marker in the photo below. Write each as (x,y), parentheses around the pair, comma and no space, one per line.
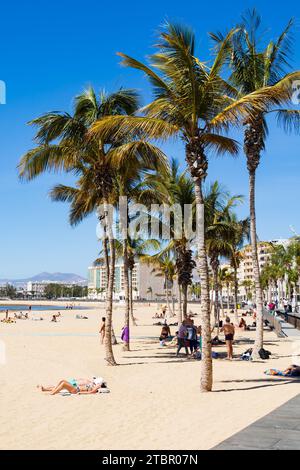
(76,386)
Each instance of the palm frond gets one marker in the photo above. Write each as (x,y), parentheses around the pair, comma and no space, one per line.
(289,119)
(41,159)
(132,127)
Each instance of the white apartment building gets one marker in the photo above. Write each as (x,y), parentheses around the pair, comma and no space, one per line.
(146,285)
(36,289)
(264,250)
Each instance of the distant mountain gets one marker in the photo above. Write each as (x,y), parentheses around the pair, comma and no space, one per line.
(63,278)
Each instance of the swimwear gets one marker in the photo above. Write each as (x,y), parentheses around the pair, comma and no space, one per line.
(74,384)
(229,337)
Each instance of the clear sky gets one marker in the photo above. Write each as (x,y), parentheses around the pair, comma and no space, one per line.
(50,52)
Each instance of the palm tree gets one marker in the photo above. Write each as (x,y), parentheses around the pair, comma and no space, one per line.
(229,281)
(138,249)
(95,162)
(195,290)
(219,231)
(150,291)
(239,233)
(248,286)
(193,101)
(222,280)
(163,266)
(174,189)
(254,69)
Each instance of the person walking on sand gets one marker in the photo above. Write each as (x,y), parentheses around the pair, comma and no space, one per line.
(102,330)
(228,330)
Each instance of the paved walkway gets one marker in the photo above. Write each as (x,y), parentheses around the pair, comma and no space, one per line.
(279,430)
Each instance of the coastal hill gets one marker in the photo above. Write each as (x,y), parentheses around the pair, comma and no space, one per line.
(63,278)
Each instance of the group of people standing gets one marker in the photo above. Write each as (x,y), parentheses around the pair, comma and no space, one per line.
(188,336)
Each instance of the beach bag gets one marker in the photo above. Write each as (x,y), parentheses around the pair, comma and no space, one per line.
(264,354)
(247,355)
(197,355)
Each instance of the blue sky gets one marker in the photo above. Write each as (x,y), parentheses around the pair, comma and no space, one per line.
(50,52)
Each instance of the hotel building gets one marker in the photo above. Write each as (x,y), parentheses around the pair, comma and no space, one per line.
(146,285)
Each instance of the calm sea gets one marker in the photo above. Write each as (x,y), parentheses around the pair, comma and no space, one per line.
(37,308)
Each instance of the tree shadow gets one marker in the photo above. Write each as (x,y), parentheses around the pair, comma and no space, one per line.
(150,362)
(267,383)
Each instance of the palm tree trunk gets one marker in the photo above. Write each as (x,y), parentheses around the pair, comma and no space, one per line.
(173,302)
(269,292)
(259,340)
(167,294)
(184,299)
(109,355)
(131,298)
(216,291)
(236,289)
(126,288)
(221,301)
(106,259)
(206,363)
(228,295)
(179,311)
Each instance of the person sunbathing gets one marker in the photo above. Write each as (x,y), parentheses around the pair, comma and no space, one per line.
(76,386)
(8,320)
(243,325)
(165,332)
(21,316)
(292,371)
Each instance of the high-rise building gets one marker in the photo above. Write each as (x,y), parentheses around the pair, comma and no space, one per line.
(264,252)
(146,285)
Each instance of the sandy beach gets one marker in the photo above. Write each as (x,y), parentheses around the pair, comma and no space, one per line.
(154,402)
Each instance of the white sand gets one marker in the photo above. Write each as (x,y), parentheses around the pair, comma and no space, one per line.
(154,402)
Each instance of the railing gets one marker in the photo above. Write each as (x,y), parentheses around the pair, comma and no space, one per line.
(274,322)
(291,319)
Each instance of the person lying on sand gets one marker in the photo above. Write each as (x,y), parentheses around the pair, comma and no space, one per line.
(21,316)
(8,320)
(76,386)
(292,371)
